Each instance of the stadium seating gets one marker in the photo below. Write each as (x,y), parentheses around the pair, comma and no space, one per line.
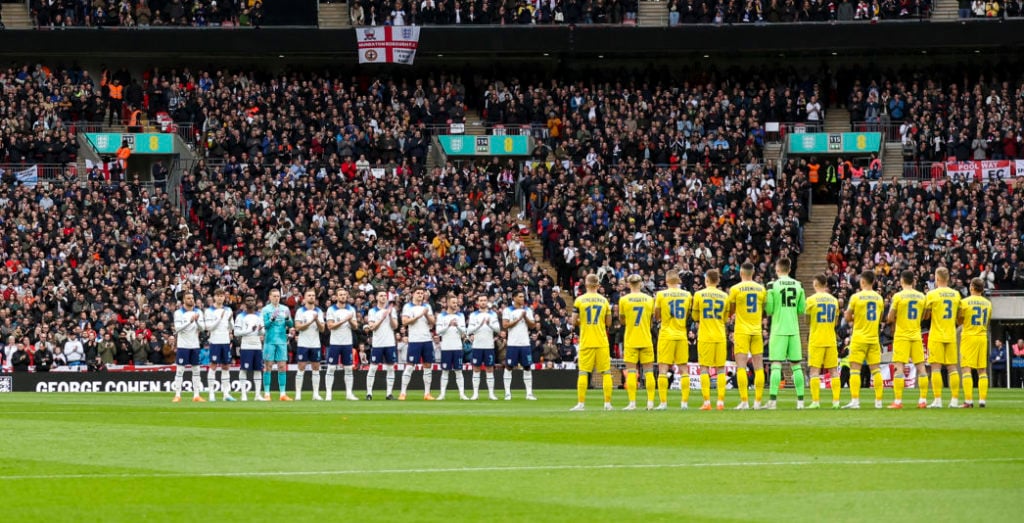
(146,13)
(684,12)
(479,12)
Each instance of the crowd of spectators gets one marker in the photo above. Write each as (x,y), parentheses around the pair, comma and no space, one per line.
(988,8)
(491,12)
(626,182)
(973,228)
(964,114)
(776,11)
(146,13)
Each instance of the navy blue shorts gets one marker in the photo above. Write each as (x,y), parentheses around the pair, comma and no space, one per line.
(518,356)
(220,354)
(187,356)
(384,355)
(307,355)
(251,359)
(420,350)
(483,357)
(342,353)
(451,360)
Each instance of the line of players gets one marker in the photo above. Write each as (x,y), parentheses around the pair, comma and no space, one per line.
(784,301)
(263,342)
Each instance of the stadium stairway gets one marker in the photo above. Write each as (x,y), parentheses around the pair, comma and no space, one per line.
(652,13)
(475,125)
(772,153)
(837,120)
(16,16)
(334,16)
(817,238)
(892,160)
(945,11)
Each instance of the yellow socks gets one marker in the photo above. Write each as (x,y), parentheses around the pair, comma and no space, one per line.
(684,384)
(982,387)
(758,384)
(922,385)
(722,380)
(649,385)
(631,386)
(878,384)
(937,384)
(954,384)
(606,383)
(897,388)
(968,382)
(663,388)
(815,389)
(705,386)
(837,388)
(581,386)
(742,381)
(855,385)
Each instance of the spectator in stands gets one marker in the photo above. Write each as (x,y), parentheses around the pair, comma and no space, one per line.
(997,364)
(74,351)
(21,358)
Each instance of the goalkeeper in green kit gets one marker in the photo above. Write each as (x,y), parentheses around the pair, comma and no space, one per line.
(785,304)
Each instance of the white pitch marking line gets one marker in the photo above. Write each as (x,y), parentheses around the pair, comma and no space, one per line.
(531,468)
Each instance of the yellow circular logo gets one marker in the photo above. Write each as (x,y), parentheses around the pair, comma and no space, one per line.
(862,141)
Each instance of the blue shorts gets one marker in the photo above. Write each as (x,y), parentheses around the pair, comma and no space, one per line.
(187,356)
(307,355)
(251,359)
(483,357)
(518,356)
(420,350)
(342,353)
(384,355)
(451,360)
(220,354)
(275,352)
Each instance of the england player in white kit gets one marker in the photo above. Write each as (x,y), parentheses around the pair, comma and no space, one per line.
(483,325)
(418,316)
(341,319)
(187,321)
(309,323)
(382,321)
(219,322)
(249,331)
(451,327)
(517,320)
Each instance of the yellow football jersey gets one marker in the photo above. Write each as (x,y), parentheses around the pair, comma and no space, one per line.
(822,311)
(674,305)
(867,307)
(637,308)
(976,310)
(746,301)
(943,303)
(909,307)
(709,309)
(593,309)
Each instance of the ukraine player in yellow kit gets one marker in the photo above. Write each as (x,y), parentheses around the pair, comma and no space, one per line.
(746,304)
(941,305)
(635,312)
(905,313)
(670,308)
(975,312)
(708,308)
(865,313)
(822,351)
(593,315)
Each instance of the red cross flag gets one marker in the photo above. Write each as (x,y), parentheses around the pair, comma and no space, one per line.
(387,45)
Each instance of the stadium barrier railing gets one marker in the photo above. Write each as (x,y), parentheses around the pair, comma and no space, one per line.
(890,130)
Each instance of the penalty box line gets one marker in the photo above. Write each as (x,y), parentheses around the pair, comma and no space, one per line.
(525,468)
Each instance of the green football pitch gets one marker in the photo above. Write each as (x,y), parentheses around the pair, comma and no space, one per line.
(130,457)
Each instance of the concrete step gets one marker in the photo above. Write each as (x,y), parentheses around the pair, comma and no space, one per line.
(334,16)
(17,17)
(837,120)
(652,14)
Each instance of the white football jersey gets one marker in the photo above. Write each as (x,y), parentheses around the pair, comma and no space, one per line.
(249,331)
(187,330)
(451,335)
(219,323)
(309,337)
(519,334)
(419,330)
(343,334)
(482,327)
(384,336)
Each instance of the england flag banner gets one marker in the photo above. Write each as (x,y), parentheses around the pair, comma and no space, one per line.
(387,45)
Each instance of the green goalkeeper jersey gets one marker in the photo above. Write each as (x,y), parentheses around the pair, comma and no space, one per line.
(785,304)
